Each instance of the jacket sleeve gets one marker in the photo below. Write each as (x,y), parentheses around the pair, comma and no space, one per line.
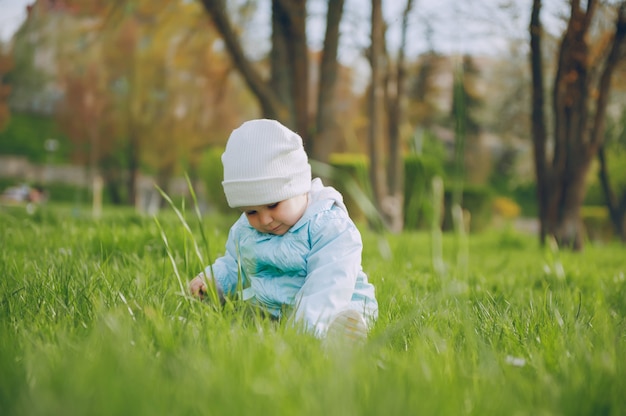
(332,268)
(225,269)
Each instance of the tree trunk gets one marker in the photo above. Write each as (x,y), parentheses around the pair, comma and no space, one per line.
(290,62)
(270,103)
(578,132)
(376,97)
(395,114)
(325,125)
(563,220)
(281,76)
(133,168)
(299,56)
(285,94)
(538,120)
(113,184)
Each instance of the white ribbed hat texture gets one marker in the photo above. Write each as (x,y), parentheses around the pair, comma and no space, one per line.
(264,162)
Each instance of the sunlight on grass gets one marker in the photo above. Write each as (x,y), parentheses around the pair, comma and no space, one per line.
(93,322)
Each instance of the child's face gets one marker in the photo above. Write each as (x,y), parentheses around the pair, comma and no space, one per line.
(276,218)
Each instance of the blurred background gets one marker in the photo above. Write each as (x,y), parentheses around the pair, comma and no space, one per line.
(101,100)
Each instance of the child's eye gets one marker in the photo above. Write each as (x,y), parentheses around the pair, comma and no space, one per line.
(273,205)
(248,213)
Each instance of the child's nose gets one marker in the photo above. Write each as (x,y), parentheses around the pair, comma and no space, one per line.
(265,217)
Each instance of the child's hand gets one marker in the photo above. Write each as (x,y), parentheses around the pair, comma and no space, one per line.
(197,286)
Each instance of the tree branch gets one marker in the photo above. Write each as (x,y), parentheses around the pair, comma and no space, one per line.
(270,104)
(604,88)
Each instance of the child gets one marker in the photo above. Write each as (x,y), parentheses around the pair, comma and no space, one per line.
(298,249)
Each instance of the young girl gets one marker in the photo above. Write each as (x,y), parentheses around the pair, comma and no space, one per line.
(298,250)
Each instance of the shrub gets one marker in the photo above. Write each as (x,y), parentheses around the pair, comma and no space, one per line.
(476,199)
(26,134)
(62,192)
(525,194)
(597,223)
(617,177)
(506,207)
(419,172)
(351,167)
(212,173)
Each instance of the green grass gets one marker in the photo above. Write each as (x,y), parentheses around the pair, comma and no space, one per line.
(92,321)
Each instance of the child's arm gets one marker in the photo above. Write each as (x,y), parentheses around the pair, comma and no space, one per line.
(332,268)
(224,272)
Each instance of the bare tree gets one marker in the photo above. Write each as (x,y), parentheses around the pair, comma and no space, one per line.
(375,108)
(285,94)
(386,112)
(323,144)
(579,100)
(395,98)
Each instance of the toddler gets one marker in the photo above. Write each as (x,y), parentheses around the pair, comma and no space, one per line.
(295,247)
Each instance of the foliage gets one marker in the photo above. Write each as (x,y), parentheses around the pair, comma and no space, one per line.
(350,167)
(506,108)
(525,195)
(83,116)
(467,100)
(419,172)
(597,223)
(506,207)
(423,89)
(616,169)
(212,173)
(94,323)
(78,196)
(427,143)
(353,168)
(26,134)
(476,200)
(31,71)
(135,84)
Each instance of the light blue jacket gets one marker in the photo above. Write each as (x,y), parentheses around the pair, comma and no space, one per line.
(313,270)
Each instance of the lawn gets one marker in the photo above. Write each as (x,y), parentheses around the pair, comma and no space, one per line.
(93,322)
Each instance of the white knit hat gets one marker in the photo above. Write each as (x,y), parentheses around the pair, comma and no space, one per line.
(264,162)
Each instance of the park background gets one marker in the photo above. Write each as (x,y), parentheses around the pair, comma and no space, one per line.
(121,96)
(484,309)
